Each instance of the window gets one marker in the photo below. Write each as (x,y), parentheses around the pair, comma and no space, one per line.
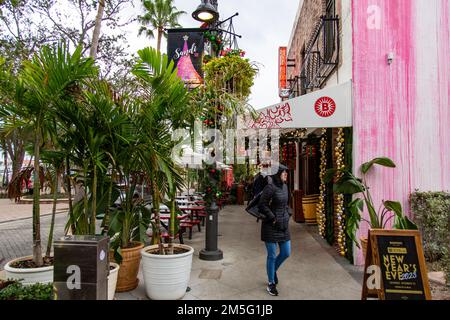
(329,29)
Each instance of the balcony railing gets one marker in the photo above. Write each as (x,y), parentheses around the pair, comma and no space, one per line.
(321,57)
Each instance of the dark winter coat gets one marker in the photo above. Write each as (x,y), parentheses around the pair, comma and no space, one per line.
(274,205)
(259,184)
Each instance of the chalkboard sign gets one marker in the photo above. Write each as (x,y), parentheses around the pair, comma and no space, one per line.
(396,261)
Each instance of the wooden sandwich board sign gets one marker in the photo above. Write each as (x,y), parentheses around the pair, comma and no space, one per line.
(395,266)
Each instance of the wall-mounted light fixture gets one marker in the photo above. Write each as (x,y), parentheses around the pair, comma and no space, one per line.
(390,58)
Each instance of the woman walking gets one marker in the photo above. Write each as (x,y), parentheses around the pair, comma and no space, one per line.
(275,228)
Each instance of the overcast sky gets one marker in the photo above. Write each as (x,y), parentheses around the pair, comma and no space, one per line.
(264,25)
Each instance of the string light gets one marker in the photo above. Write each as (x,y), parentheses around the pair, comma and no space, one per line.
(295,134)
(320,213)
(339,203)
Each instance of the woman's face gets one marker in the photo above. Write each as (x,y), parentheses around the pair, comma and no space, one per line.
(284,176)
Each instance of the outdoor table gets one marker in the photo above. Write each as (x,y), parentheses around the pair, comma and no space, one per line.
(165,216)
(194,210)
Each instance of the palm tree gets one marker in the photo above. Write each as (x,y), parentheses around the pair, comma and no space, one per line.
(164,108)
(47,79)
(160,15)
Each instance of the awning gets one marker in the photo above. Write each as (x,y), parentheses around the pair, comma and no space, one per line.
(327,108)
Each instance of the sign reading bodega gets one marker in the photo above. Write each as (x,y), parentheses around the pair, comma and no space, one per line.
(326,108)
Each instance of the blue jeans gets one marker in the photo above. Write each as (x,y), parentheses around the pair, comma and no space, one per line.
(273,261)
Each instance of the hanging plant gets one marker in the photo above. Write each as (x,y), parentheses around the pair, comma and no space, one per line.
(215,39)
(232,52)
(232,74)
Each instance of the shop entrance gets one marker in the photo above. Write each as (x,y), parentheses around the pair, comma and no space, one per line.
(313,201)
(309,153)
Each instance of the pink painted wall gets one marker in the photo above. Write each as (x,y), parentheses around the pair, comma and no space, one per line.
(402,110)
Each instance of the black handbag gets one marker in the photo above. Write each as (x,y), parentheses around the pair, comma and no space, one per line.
(252,207)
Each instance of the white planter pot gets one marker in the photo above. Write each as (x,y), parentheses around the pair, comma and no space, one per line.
(166,277)
(29,276)
(112,280)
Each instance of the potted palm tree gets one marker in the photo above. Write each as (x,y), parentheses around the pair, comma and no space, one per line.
(127,229)
(43,83)
(163,111)
(349,184)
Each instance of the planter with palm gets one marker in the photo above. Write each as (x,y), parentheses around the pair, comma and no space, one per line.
(46,80)
(164,108)
(349,184)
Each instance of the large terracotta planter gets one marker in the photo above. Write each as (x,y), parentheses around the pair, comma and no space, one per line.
(28,276)
(166,277)
(127,279)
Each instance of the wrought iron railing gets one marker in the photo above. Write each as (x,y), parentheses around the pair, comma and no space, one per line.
(321,57)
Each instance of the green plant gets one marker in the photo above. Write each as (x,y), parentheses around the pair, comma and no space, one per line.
(349,184)
(164,108)
(129,222)
(159,16)
(14,290)
(50,77)
(432,212)
(232,74)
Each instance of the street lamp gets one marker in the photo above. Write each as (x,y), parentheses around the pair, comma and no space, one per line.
(206,11)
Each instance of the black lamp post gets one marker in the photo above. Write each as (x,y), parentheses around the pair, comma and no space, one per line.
(208,12)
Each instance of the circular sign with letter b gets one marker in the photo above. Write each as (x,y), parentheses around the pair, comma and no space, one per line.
(325,107)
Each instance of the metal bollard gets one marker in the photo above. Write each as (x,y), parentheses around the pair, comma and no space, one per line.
(211,252)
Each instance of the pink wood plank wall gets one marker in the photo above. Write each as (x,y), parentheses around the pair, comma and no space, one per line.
(402,110)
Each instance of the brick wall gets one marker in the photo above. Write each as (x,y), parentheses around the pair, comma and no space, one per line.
(305,27)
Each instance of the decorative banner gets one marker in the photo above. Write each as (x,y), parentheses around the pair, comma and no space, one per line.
(282,72)
(185,47)
(327,108)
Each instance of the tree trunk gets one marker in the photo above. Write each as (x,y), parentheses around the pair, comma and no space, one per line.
(37,250)
(173,216)
(17,161)
(96,33)
(52,224)
(5,180)
(160,33)
(107,210)
(156,239)
(86,202)
(94,203)
(69,191)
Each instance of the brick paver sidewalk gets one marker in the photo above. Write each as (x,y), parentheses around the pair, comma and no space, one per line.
(10,211)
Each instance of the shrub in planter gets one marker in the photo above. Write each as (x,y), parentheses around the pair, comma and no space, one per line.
(14,290)
(432,213)
(127,231)
(348,184)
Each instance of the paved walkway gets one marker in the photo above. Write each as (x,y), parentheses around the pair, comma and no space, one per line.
(10,211)
(16,237)
(314,271)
